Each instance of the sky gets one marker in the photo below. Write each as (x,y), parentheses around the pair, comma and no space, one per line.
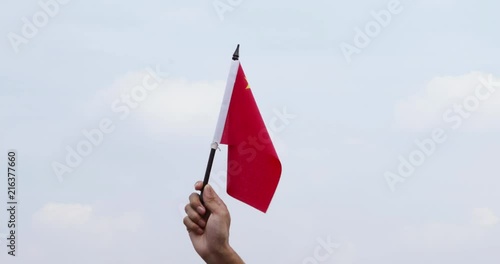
(384,114)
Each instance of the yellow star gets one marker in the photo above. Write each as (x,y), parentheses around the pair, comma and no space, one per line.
(248,85)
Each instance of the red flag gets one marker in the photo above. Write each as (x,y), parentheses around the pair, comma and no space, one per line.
(253,169)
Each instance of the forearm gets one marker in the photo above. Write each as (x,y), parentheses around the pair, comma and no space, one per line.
(225,256)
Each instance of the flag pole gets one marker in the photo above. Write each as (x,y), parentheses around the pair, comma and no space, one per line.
(215,145)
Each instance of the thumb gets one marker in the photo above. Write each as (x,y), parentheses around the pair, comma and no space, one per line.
(212,201)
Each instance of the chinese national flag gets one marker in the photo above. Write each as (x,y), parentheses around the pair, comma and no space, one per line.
(254,168)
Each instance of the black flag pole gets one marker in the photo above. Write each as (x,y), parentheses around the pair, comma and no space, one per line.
(236,56)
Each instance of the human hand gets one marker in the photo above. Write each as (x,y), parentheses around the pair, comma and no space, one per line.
(208,227)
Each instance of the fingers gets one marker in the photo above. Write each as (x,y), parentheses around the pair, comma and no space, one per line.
(195,211)
(198,185)
(195,203)
(195,217)
(213,202)
(192,227)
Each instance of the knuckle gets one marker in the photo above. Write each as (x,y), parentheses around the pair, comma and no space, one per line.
(195,218)
(225,214)
(194,198)
(191,196)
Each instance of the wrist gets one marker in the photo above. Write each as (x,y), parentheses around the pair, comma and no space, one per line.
(224,255)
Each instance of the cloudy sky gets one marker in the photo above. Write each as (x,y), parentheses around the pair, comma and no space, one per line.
(385,118)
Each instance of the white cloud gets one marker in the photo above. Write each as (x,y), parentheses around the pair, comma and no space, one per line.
(84,219)
(175,106)
(440,236)
(425,109)
(103,99)
(445,236)
(63,215)
(78,231)
(183,106)
(485,217)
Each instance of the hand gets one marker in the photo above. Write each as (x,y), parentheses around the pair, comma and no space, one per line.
(208,227)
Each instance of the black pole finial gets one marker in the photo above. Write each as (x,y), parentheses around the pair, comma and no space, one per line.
(236,54)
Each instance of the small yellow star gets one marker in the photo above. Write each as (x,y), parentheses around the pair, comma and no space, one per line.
(248,85)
